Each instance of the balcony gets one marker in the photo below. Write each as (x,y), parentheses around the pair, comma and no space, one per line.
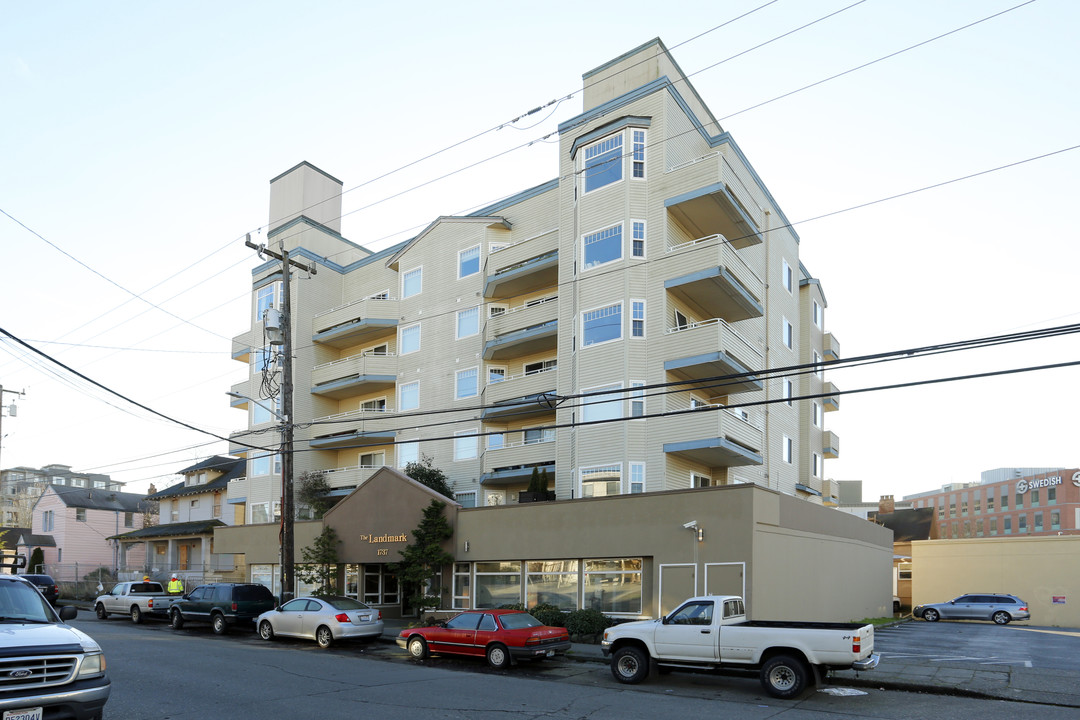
(349,477)
(831,400)
(519,396)
(713,436)
(527,266)
(354,429)
(710,273)
(533,339)
(830,444)
(356,322)
(712,349)
(711,199)
(832,347)
(513,462)
(535,312)
(367,372)
(243,343)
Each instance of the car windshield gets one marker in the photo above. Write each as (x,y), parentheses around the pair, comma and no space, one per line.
(20,602)
(344,603)
(516,621)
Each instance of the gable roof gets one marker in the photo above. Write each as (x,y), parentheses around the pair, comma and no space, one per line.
(195,527)
(232,468)
(97,499)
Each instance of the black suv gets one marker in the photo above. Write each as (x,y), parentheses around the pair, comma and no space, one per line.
(222,605)
(46,585)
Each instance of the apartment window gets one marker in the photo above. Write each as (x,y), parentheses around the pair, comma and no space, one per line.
(816,409)
(963,504)
(539,435)
(639,153)
(602,405)
(47,520)
(789,449)
(990,500)
(601,481)
(638,249)
(637,400)
(412,282)
(465,444)
(465,500)
(174,516)
(603,162)
(819,315)
(375,405)
(261,410)
(370,460)
(602,325)
(465,383)
(541,366)
(468,322)
(409,396)
(978,504)
(700,481)
(602,247)
(787,275)
(1019,501)
(497,246)
(409,339)
(637,321)
(265,464)
(496,441)
(637,478)
(469,262)
(495,375)
(815,464)
(789,335)
(381,295)
(80,514)
(497,309)
(266,297)
(260,513)
(788,391)
(408,452)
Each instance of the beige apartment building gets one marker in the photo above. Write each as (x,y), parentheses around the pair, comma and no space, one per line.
(617,326)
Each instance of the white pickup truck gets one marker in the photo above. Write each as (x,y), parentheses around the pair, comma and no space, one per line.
(136,599)
(711,632)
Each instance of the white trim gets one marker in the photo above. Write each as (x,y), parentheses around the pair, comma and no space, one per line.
(401,335)
(644,239)
(660,583)
(405,275)
(457,380)
(457,322)
(618,304)
(466,435)
(622,249)
(644,315)
(742,574)
(401,388)
(479,260)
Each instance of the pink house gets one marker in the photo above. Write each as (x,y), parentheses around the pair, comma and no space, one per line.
(79,522)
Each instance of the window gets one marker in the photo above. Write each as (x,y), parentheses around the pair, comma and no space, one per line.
(637,320)
(789,449)
(637,400)
(129,519)
(603,247)
(1006,525)
(1034,498)
(495,375)
(412,282)
(700,481)
(819,315)
(261,410)
(993,526)
(816,413)
(601,481)
(603,163)
(990,500)
(789,335)
(409,396)
(468,322)
(469,262)
(1004,498)
(1021,523)
(553,582)
(601,406)
(637,478)
(371,460)
(786,275)
(815,464)
(465,444)
(268,296)
(409,340)
(639,153)
(194,503)
(380,586)
(466,383)
(462,585)
(375,405)
(613,585)
(818,369)
(602,325)
(465,500)
(788,391)
(265,464)
(1019,501)
(539,435)
(47,519)
(260,513)
(541,366)
(496,441)
(1051,496)
(638,250)
(497,309)
(408,452)
(1055,519)
(1038,522)
(381,295)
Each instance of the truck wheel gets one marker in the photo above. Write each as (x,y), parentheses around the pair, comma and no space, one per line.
(176,620)
(783,676)
(498,656)
(100,610)
(136,614)
(629,665)
(217,621)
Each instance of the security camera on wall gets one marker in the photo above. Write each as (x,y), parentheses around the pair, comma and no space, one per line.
(690,525)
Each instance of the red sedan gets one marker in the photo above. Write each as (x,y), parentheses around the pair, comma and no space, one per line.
(502,636)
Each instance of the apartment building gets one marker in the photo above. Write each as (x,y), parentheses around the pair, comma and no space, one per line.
(615,326)
(20,488)
(1007,502)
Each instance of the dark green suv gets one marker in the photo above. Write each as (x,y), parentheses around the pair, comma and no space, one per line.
(222,605)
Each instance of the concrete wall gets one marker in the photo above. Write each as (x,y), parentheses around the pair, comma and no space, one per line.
(1036,569)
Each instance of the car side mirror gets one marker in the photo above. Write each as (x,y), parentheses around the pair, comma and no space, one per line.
(68,612)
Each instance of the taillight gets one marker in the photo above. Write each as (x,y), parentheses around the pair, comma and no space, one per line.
(150,603)
(234,607)
(1023,608)
(342,617)
(856,645)
(532,641)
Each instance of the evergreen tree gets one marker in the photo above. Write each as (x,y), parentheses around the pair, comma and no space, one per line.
(420,569)
(37,559)
(321,563)
(422,472)
(312,490)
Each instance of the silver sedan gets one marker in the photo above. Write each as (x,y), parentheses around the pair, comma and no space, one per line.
(322,619)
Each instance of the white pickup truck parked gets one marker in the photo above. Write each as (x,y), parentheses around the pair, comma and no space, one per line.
(135,599)
(711,632)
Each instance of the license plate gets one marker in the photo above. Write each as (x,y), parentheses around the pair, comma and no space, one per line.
(24,714)
(551,653)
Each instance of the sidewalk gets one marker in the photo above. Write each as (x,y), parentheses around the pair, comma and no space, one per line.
(1015,683)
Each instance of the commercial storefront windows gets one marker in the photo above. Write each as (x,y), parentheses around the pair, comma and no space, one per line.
(552,582)
(497,583)
(613,586)
(267,575)
(462,586)
(380,586)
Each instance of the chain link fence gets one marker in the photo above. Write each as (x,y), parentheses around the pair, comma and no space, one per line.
(85,582)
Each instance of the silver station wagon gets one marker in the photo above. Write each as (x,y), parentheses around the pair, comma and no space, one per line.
(1002,609)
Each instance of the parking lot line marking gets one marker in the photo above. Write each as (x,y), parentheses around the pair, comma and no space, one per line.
(1050,632)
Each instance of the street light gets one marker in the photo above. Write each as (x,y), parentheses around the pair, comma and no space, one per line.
(699,536)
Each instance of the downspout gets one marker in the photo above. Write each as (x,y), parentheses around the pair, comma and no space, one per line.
(768,435)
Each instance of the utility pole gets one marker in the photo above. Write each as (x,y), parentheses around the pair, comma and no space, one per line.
(288,514)
(12,412)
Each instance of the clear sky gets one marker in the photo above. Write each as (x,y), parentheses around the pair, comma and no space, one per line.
(139,140)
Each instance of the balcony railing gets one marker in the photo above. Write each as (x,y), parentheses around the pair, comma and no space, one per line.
(710,273)
(533,271)
(830,443)
(712,349)
(519,453)
(714,436)
(356,322)
(520,386)
(540,337)
(710,198)
(347,477)
(342,378)
(534,312)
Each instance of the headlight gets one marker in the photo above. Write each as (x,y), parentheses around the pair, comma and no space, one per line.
(92,666)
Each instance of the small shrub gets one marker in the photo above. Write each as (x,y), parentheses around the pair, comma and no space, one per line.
(512,606)
(587,623)
(549,615)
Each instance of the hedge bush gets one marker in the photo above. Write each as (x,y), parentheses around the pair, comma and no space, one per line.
(587,622)
(549,615)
